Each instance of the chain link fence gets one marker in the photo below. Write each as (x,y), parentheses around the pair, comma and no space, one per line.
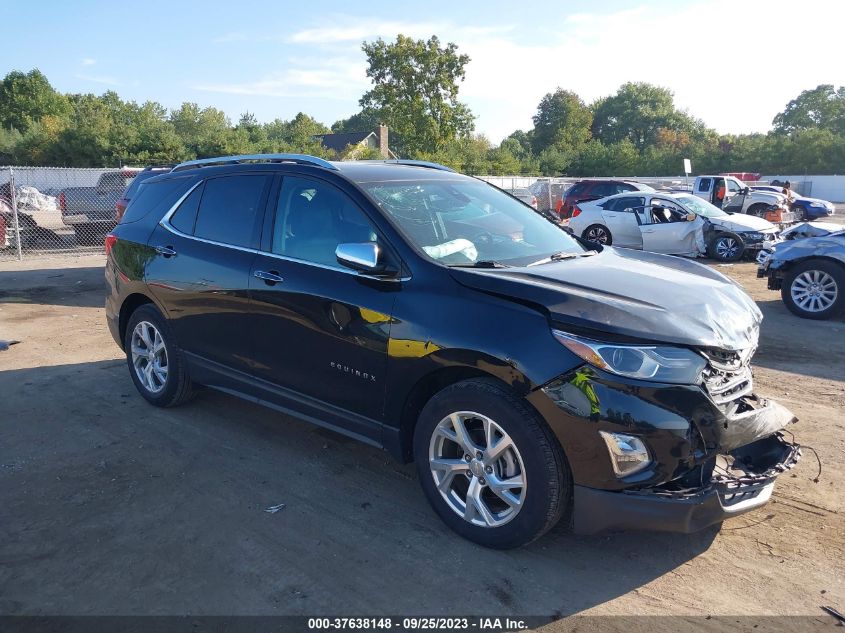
(57,211)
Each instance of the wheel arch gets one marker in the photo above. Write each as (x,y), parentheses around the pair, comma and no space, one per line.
(130,304)
(425,389)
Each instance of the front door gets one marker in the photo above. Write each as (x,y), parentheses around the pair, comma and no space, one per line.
(320,330)
(667,230)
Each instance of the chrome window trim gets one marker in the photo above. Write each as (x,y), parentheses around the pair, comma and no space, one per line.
(165,224)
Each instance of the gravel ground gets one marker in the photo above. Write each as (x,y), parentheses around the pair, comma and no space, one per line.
(111,506)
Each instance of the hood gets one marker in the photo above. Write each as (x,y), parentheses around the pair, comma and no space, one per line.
(811,229)
(767,196)
(739,222)
(817,201)
(633,294)
(830,246)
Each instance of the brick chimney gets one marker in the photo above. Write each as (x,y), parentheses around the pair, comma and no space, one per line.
(382,141)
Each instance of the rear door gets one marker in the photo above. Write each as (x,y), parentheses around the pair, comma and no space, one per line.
(200,271)
(320,330)
(620,216)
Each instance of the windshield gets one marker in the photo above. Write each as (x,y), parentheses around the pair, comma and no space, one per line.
(460,222)
(701,207)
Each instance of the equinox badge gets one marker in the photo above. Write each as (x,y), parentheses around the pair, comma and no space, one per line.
(352,372)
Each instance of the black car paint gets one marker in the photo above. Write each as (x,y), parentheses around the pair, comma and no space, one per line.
(375,349)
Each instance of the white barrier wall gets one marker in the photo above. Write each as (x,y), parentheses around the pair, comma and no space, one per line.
(831,188)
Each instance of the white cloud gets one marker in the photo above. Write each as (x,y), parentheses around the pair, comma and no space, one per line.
(88,61)
(734,65)
(334,78)
(100,79)
(350,29)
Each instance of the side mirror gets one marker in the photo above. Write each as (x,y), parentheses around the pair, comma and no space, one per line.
(363,257)
(745,191)
(691,217)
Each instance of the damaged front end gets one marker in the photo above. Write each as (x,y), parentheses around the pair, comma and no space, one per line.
(714,449)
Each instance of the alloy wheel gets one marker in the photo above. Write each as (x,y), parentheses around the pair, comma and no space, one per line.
(149,356)
(477,469)
(814,291)
(597,234)
(727,248)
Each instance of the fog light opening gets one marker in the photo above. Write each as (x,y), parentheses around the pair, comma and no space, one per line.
(628,453)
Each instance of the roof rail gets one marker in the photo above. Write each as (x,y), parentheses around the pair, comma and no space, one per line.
(302,159)
(411,163)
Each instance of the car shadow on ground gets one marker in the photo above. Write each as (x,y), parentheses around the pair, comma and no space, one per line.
(79,287)
(113,506)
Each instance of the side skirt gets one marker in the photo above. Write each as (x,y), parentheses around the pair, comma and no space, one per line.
(236,383)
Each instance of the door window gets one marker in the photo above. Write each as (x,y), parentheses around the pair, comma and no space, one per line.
(733,186)
(665,212)
(313,217)
(230,207)
(625,202)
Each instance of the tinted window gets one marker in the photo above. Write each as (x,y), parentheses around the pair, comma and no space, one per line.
(602,189)
(186,215)
(313,217)
(229,208)
(137,180)
(626,202)
(704,184)
(154,195)
(577,189)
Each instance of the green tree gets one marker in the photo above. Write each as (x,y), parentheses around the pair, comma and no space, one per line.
(415,88)
(637,112)
(822,107)
(27,97)
(562,122)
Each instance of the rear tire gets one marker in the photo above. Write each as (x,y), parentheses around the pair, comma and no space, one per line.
(599,234)
(726,247)
(815,289)
(470,477)
(156,364)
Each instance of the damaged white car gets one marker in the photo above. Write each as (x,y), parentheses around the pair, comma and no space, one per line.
(670,223)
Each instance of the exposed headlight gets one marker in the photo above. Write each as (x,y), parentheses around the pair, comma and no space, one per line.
(645,362)
(628,453)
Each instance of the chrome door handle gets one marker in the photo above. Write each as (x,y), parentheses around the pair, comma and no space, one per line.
(167,251)
(270,277)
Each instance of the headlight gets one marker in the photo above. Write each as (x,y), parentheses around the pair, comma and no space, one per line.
(818,205)
(628,453)
(754,236)
(661,363)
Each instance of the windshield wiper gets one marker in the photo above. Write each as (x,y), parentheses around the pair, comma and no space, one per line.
(560,256)
(481,263)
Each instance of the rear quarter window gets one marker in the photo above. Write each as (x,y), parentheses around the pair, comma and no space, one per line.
(156,196)
(704,184)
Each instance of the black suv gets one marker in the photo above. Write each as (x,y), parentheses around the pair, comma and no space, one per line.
(531,375)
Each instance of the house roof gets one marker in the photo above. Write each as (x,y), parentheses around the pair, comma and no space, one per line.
(339,142)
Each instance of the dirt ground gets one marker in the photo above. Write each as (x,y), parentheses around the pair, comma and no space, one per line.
(111,506)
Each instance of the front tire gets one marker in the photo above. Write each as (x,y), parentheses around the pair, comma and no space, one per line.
(156,364)
(599,234)
(489,465)
(815,289)
(726,247)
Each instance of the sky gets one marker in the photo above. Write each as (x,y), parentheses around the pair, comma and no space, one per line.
(734,64)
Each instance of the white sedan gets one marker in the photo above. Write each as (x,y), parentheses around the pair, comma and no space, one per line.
(671,223)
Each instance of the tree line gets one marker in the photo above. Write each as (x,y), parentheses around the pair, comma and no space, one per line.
(415,88)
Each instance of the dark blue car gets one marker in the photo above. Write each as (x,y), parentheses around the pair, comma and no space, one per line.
(810,208)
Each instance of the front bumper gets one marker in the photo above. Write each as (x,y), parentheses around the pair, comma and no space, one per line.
(673,509)
(715,449)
